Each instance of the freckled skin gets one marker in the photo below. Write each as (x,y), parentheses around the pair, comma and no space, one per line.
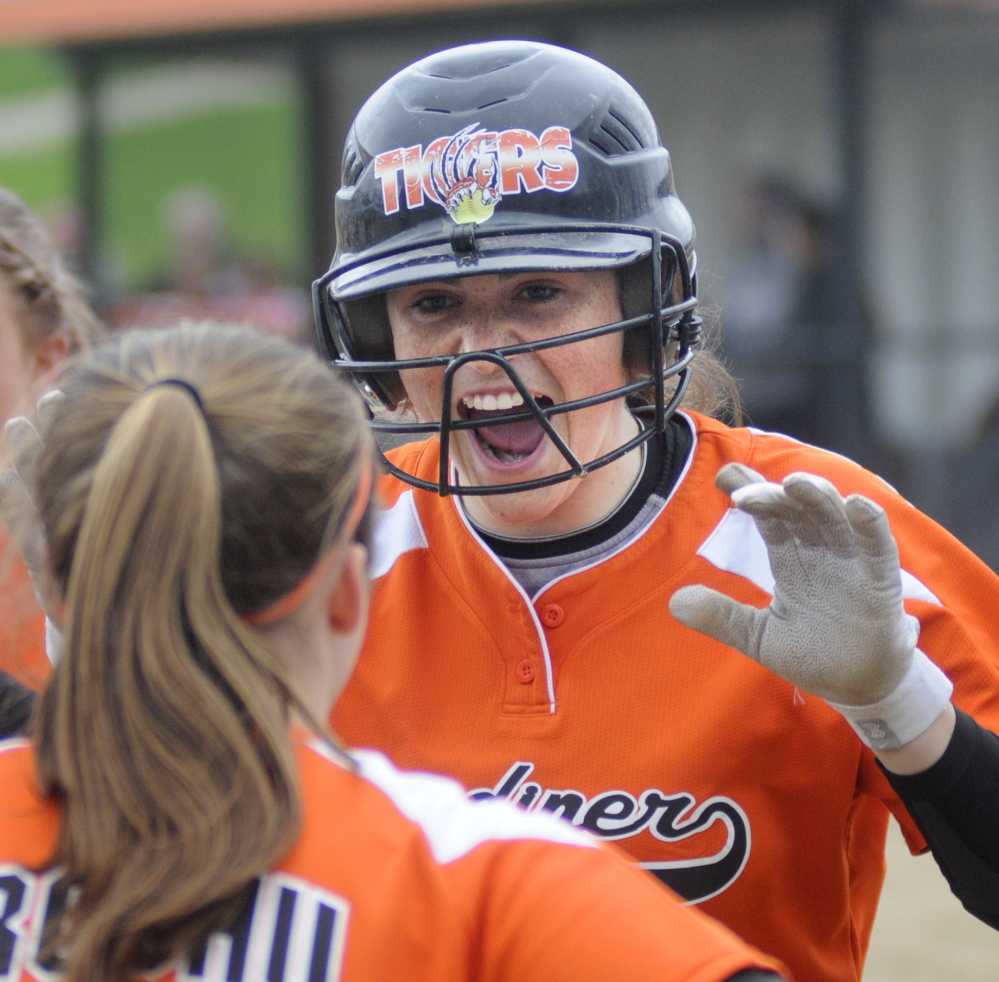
(478,312)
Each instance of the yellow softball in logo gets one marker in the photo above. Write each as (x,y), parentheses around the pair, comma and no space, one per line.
(472,209)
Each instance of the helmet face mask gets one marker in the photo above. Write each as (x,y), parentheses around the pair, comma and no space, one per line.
(464,164)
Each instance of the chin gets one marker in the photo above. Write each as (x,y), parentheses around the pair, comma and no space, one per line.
(524,514)
(478,468)
(521,513)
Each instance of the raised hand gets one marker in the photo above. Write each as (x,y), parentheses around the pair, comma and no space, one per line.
(836,626)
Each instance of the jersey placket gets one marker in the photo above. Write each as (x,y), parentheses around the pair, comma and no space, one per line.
(528,681)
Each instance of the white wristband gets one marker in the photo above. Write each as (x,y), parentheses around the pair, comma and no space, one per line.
(907,711)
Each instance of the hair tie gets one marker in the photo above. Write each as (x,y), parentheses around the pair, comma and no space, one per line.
(191,390)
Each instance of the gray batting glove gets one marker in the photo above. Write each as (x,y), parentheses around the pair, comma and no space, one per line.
(836,626)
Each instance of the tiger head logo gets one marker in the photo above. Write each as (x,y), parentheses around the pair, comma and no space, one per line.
(466,175)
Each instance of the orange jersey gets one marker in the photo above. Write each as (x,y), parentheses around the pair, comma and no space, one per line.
(397,876)
(22,623)
(589,700)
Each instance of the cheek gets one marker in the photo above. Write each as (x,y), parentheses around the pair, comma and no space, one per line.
(611,356)
(403,340)
(424,389)
(593,366)
(12,394)
(599,363)
(15,373)
(423,385)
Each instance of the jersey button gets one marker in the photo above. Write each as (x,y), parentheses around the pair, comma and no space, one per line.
(552,615)
(525,672)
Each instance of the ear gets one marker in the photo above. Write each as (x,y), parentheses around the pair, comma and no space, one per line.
(348,603)
(47,357)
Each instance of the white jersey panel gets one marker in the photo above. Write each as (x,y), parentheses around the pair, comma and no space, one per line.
(452,823)
(399,530)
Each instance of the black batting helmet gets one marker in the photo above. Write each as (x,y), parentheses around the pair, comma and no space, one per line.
(501,157)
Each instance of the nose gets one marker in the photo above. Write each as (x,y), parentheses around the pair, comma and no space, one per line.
(484,333)
(485,368)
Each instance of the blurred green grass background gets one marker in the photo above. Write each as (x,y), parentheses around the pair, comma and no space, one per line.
(247,154)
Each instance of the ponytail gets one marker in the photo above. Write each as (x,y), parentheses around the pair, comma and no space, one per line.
(164,730)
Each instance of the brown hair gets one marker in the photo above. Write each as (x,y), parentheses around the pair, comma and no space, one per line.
(711,390)
(170,514)
(50,299)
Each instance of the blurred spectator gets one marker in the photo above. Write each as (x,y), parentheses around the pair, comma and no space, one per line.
(204,280)
(971,505)
(782,311)
(198,260)
(63,222)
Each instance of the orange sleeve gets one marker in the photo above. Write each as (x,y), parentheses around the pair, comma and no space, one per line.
(951,591)
(553,912)
(960,632)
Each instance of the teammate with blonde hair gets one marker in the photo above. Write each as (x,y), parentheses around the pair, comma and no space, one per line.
(206,497)
(43,318)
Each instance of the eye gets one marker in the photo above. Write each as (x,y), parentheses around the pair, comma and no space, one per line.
(539,292)
(434,303)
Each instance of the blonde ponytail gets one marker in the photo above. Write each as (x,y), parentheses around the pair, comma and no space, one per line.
(164,729)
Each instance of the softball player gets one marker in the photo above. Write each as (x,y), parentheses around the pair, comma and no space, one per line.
(206,498)
(514,290)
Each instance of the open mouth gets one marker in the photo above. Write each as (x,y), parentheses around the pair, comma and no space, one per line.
(507,443)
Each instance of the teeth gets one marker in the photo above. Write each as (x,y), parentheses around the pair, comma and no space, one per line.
(489,402)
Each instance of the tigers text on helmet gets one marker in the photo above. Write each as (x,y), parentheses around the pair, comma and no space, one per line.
(508,156)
